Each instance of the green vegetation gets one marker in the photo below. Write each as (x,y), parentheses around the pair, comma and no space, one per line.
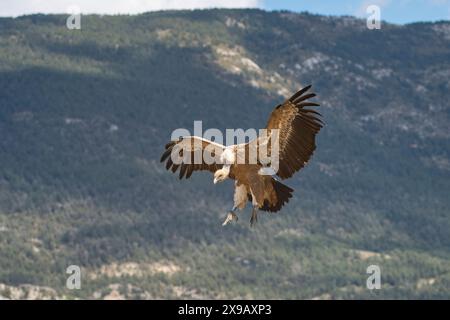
(84,116)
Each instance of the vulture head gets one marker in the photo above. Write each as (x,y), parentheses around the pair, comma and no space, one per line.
(220,175)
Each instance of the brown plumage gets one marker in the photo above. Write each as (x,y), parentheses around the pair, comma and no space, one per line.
(187,149)
(292,126)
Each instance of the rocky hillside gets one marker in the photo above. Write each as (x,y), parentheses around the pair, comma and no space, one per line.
(85,114)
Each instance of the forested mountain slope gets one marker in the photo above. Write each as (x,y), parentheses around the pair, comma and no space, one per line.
(85,115)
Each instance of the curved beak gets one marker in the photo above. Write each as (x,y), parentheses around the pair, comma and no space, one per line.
(215,180)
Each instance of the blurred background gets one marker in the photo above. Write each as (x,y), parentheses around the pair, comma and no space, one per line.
(85,114)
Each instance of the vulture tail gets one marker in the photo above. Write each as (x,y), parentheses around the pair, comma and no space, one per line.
(283,194)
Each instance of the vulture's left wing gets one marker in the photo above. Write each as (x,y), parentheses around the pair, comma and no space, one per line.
(297,127)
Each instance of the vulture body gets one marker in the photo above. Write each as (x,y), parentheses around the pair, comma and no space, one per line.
(296,126)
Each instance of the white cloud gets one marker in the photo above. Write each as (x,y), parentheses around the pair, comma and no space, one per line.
(20,7)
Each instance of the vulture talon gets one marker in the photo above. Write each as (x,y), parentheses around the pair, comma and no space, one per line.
(230,217)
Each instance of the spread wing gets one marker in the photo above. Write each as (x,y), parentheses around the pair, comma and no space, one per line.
(192,154)
(297,128)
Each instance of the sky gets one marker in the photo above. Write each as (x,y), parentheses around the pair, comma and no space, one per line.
(396,11)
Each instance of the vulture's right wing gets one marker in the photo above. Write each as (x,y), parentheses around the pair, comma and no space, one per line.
(192,154)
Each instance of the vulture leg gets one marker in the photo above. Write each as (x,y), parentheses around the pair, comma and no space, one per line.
(254,217)
(230,217)
(257,192)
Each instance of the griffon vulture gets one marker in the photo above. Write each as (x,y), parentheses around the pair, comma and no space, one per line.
(296,127)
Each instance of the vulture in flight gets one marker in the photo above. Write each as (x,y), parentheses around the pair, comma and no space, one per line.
(296,126)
